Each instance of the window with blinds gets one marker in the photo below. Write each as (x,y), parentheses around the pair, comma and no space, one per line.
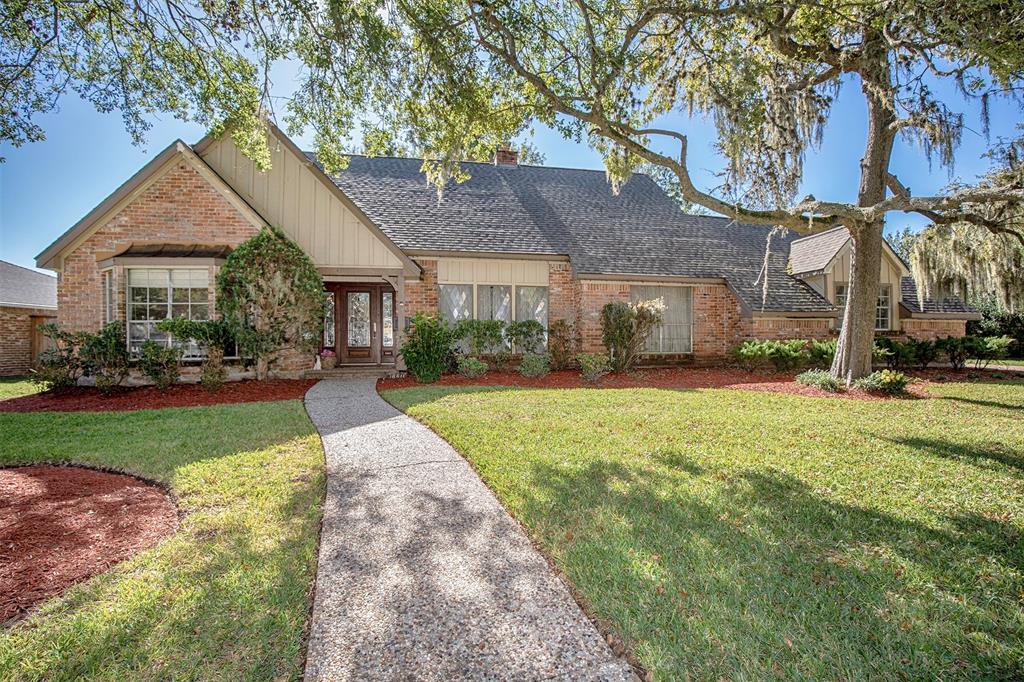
(675,333)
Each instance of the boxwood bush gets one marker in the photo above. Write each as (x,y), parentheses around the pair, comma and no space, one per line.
(472,368)
(593,366)
(427,350)
(534,365)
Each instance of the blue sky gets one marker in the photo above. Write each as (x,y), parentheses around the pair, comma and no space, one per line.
(47,186)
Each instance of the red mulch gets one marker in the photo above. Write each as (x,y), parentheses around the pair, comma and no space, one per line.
(677,377)
(61,525)
(88,399)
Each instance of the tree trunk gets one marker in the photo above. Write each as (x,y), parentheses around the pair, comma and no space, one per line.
(857,337)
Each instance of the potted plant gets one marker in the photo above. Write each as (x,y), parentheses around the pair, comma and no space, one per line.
(328,358)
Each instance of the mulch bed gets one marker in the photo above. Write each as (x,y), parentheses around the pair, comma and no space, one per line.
(60,525)
(88,399)
(680,378)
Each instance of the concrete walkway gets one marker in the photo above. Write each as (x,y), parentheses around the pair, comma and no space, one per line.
(423,575)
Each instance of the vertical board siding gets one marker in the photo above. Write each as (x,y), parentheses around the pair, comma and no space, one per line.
(292,197)
(492,271)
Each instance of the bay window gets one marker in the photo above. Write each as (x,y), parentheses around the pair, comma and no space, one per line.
(156,294)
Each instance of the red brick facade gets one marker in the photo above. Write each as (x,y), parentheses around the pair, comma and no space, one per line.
(421,295)
(16,337)
(780,328)
(933,329)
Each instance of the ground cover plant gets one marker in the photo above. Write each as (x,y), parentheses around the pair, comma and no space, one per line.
(725,534)
(15,387)
(226,597)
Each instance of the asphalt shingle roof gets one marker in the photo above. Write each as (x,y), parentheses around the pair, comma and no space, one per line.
(572,212)
(814,253)
(24,288)
(949,305)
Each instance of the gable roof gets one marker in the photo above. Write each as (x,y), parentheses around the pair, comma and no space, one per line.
(24,288)
(814,253)
(950,305)
(132,188)
(543,210)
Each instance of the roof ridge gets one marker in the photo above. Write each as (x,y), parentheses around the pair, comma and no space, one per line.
(479,163)
(818,234)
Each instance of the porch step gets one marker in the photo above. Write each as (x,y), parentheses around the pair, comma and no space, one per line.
(352,372)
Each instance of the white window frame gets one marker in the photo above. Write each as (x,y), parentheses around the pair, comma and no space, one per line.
(170,302)
(691,323)
(887,289)
(109,295)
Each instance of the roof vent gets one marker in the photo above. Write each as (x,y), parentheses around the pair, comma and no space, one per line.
(506,156)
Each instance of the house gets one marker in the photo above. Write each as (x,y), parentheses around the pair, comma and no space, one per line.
(27,300)
(513,242)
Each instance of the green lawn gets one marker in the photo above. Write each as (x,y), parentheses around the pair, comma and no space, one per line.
(226,598)
(12,387)
(728,534)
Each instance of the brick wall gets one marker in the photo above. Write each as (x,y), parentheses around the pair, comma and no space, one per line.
(563,294)
(793,328)
(933,329)
(179,207)
(16,338)
(593,296)
(718,324)
(421,295)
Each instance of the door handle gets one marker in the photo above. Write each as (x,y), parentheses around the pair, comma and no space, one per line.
(375,329)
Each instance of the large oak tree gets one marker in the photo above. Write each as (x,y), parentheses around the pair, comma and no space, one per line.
(455,77)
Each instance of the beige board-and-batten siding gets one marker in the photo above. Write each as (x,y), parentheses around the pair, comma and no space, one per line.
(292,196)
(891,272)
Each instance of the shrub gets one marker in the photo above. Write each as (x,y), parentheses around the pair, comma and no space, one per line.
(887,381)
(925,352)
(819,378)
(272,297)
(561,344)
(483,336)
(105,357)
(997,321)
(59,367)
(788,355)
(625,328)
(593,366)
(751,354)
(957,349)
(534,365)
(526,336)
(212,335)
(821,353)
(472,368)
(427,351)
(900,354)
(160,363)
(990,348)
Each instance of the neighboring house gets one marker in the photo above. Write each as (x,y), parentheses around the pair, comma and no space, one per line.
(513,242)
(27,299)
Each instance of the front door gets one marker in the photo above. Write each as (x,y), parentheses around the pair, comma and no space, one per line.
(365,321)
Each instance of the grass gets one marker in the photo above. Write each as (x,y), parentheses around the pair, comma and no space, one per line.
(12,387)
(226,597)
(728,534)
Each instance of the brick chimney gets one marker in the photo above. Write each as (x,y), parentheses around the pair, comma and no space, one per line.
(506,156)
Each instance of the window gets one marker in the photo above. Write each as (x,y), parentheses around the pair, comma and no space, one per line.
(388,305)
(882,308)
(456,302)
(158,294)
(358,319)
(881,305)
(675,333)
(532,304)
(109,297)
(495,303)
(329,325)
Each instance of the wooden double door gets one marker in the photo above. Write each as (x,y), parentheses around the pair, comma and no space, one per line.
(365,323)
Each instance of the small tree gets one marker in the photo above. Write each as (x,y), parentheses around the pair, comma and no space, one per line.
(272,297)
(625,328)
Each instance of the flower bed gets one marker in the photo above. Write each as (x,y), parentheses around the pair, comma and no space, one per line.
(88,399)
(681,378)
(63,524)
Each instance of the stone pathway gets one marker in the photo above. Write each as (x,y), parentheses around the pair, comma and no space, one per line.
(423,575)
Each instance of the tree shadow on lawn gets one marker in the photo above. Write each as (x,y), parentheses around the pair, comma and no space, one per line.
(224,598)
(753,574)
(991,452)
(1017,407)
